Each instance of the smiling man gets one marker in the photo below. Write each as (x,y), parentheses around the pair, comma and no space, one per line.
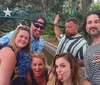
(92,27)
(37,43)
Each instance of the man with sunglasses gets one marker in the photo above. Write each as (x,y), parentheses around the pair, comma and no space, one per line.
(37,43)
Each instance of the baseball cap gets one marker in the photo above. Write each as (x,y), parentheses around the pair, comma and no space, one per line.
(35,20)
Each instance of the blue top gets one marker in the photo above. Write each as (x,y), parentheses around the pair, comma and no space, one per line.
(24,59)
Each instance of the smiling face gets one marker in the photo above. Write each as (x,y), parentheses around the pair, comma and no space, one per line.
(36,28)
(93,25)
(63,69)
(37,66)
(22,39)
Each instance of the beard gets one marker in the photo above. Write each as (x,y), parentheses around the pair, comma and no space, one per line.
(93,31)
(70,34)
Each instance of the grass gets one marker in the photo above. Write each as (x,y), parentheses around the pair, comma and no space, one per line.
(51,40)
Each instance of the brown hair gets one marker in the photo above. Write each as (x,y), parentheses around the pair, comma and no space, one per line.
(12,41)
(75,72)
(39,55)
(83,27)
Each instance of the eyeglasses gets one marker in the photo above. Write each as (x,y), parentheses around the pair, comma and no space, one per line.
(38,26)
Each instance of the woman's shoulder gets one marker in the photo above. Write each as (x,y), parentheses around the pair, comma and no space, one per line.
(86,82)
(6,51)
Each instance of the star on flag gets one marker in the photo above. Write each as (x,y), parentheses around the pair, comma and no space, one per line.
(7,12)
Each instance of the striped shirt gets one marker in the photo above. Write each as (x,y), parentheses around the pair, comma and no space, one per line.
(76,45)
(92,69)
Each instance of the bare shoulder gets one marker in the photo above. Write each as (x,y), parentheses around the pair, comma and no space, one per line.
(7,54)
(6,51)
(86,82)
(8,59)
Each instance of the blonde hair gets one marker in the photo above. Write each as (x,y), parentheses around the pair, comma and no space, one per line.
(12,41)
(39,55)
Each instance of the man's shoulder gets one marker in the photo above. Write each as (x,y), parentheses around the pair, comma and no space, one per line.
(81,37)
(61,36)
(9,33)
(41,38)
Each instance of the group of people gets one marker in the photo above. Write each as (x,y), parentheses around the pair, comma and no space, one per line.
(22,61)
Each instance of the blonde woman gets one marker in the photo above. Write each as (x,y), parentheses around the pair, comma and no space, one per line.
(39,73)
(20,40)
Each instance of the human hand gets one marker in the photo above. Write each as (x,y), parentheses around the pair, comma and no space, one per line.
(97,60)
(56,19)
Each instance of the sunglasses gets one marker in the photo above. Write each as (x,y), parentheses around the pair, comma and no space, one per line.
(38,26)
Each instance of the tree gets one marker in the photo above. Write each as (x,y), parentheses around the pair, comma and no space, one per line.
(95,6)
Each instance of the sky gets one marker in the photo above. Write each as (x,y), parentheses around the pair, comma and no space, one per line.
(96,0)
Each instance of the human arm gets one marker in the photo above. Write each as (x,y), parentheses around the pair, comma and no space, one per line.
(7,65)
(86,82)
(6,38)
(56,28)
(51,79)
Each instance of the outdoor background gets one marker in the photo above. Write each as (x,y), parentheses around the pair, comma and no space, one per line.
(17,12)
(23,12)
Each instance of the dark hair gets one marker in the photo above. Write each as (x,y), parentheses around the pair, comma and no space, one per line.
(74,20)
(84,23)
(75,73)
(39,17)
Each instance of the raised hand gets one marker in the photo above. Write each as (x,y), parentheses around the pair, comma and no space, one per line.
(56,19)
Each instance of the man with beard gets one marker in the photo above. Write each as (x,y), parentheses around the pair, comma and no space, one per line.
(72,41)
(92,55)
(23,58)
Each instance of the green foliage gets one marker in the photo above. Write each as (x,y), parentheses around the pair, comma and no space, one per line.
(79,16)
(49,31)
(94,6)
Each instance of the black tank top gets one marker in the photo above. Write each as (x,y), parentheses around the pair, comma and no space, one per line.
(10,47)
(33,79)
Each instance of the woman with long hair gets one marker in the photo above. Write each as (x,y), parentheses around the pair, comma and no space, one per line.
(65,71)
(20,40)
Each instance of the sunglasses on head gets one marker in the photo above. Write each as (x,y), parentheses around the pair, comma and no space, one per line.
(38,26)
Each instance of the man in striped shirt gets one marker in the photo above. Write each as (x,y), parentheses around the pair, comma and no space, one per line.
(72,41)
(92,55)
